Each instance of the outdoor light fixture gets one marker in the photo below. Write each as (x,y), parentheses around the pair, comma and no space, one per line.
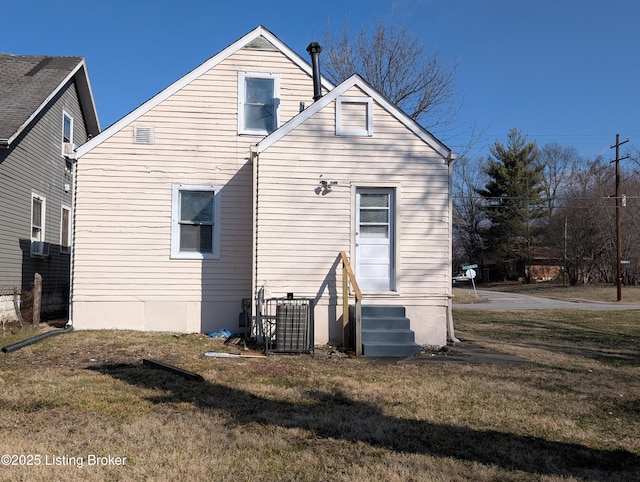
(326,185)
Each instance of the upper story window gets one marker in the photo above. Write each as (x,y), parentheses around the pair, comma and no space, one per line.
(258,99)
(67,127)
(67,133)
(354,116)
(195,222)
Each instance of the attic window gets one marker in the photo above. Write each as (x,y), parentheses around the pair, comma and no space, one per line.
(258,99)
(143,135)
(354,116)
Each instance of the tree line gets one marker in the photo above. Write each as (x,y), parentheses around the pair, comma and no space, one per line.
(531,213)
(526,212)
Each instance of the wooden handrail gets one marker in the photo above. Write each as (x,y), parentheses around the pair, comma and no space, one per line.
(352,277)
(349,276)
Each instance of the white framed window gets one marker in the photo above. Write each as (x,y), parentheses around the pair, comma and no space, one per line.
(65,229)
(258,101)
(354,116)
(67,133)
(195,221)
(38,216)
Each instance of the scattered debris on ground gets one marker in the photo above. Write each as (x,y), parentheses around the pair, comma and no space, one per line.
(435,350)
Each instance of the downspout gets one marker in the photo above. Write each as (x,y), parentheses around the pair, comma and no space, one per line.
(451,336)
(74,174)
(254,237)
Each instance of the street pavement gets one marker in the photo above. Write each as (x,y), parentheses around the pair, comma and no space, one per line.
(497,300)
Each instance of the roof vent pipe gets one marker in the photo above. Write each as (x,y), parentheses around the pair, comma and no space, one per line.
(314,49)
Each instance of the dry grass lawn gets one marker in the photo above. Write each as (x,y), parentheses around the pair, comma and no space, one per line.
(570,413)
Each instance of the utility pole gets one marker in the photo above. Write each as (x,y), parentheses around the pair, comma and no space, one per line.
(618,216)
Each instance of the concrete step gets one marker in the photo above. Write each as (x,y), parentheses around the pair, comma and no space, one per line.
(386,331)
(380,323)
(390,350)
(388,336)
(383,311)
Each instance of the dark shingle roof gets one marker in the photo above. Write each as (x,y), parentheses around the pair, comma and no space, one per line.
(26,81)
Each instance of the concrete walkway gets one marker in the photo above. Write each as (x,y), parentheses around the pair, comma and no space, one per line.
(497,300)
(463,352)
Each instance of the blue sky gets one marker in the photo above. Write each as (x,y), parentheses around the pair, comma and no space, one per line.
(558,70)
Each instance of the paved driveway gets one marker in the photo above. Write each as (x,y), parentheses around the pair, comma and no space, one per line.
(497,300)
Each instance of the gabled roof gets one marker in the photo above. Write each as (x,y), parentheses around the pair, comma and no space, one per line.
(29,82)
(255,37)
(357,81)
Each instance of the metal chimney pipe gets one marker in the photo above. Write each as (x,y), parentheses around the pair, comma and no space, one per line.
(314,49)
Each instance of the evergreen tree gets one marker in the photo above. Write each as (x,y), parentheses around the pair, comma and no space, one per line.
(514,202)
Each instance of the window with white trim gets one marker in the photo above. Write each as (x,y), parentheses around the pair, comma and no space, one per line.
(258,99)
(65,230)
(354,116)
(195,221)
(67,133)
(38,214)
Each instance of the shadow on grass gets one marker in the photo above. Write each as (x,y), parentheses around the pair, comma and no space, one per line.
(622,357)
(334,415)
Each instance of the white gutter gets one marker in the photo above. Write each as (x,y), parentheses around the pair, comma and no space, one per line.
(254,228)
(450,330)
(72,254)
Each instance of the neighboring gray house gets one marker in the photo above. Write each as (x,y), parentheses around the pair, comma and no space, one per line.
(46,110)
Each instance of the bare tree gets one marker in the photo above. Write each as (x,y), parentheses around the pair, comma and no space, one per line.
(584,227)
(558,162)
(468,216)
(397,65)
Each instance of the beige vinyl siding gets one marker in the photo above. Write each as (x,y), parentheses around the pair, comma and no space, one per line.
(317,227)
(123,208)
(301,231)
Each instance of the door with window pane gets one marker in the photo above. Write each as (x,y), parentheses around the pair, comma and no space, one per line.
(374,239)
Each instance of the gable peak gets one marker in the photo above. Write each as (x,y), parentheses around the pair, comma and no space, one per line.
(260,43)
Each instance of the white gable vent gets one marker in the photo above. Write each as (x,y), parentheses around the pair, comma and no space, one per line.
(143,135)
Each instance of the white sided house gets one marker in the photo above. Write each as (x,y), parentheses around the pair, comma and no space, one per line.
(226,200)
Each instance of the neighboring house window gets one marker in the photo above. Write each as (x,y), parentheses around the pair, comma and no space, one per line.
(38,211)
(65,230)
(354,116)
(195,221)
(67,133)
(67,127)
(258,98)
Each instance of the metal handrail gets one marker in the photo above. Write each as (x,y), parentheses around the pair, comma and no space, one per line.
(349,277)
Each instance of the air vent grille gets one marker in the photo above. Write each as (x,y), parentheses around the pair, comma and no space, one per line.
(143,135)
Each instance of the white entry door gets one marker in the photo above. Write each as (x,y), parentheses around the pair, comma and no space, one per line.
(374,239)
